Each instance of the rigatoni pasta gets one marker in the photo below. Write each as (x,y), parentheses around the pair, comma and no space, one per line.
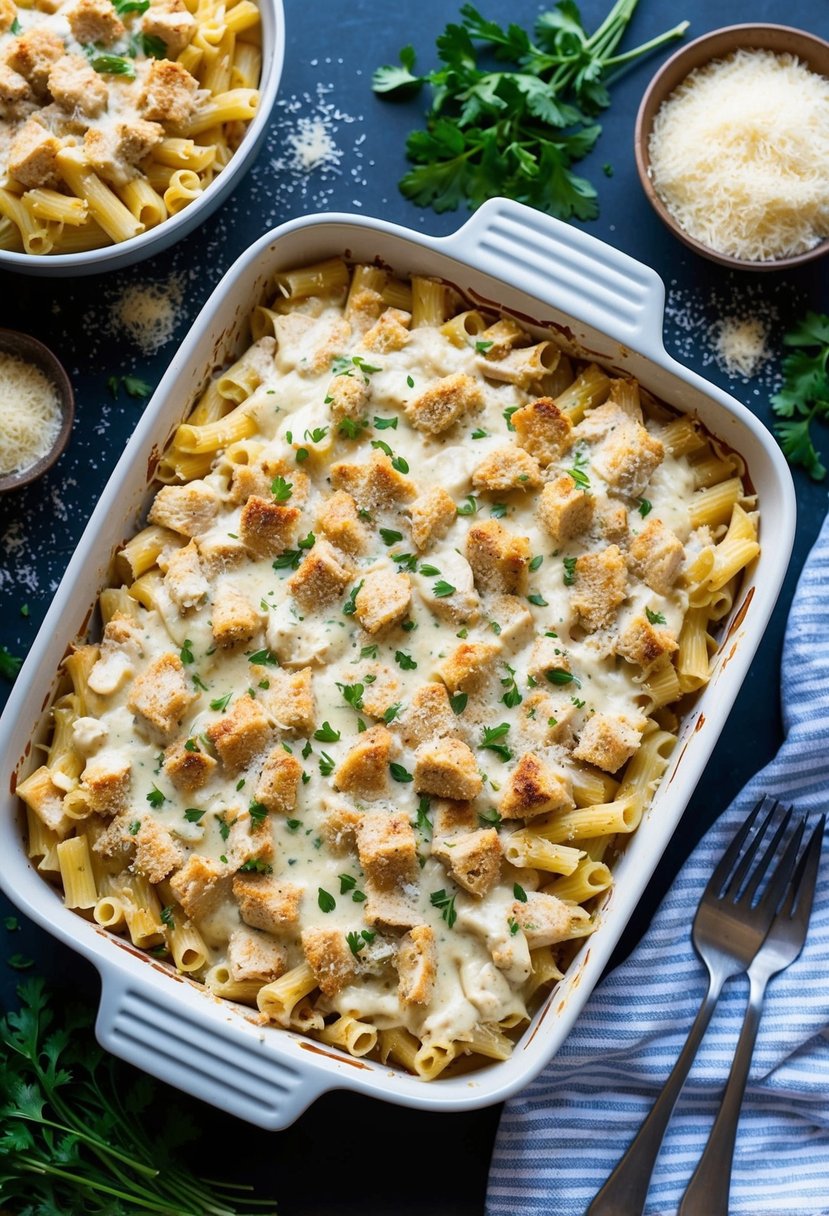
(393,668)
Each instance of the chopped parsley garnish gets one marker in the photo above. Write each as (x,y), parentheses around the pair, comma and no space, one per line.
(155,797)
(577,472)
(289,559)
(186,652)
(442,589)
(358,941)
(489,818)
(369,652)
(135,826)
(391,712)
(458,702)
(326,764)
(293,825)
(404,661)
(317,435)
(569,570)
(258,811)
(352,695)
(537,599)
(224,828)
(110,65)
(490,740)
(519,892)
(302,454)
(343,365)
(350,605)
(193,814)
(512,696)
(423,823)
(508,413)
(446,903)
(498,510)
(513,925)
(536,561)
(483,345)
(255,865)
(655,618)
(399,773)
(265,657)
(578,704)
(281,489)
(480,433)
(190,745)
(390,536)
(386,424)
(645,507)
(152,47)
(347,883)
(405,561)
(556,675)
(326,900)
(221,702)
(429,571)
(410,381)
(351,428)
(469,507)
(198,681)
(327,734)
(9,664)
(408,625)
(167,916)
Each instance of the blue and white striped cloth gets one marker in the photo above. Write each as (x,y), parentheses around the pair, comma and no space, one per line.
(560,1138)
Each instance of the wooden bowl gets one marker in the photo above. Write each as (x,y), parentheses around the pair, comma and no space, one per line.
(719,44)
(27,348)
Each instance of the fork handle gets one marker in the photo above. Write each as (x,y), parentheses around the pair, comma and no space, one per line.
(707,1193)
(626,1189)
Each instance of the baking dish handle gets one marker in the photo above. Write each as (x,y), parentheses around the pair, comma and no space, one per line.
(566,268)
(190,1048)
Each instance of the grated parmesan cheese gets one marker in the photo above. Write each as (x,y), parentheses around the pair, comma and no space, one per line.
(741,345)
(149,315)
(740,155)
(29,414)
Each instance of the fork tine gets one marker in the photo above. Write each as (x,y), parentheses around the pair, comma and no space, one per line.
(729,857)
(771,897)
(735,882)
(805,880)
(763,864)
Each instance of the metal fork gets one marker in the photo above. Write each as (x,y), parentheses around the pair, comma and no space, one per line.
(729,928)
(707,1193)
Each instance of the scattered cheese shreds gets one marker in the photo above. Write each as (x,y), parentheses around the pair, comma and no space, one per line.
(149,314)
(740,155)
(29,414)
(741,345)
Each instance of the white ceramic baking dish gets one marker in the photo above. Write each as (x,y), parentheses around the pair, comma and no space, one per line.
(608,305)
(154,240)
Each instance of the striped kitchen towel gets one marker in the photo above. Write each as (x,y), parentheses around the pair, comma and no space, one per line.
(561,1137)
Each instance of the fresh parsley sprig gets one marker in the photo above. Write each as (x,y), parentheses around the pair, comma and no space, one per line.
(83,1133)
(519,130)
(804,395)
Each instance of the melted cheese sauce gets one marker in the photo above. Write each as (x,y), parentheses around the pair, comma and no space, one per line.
(294,422)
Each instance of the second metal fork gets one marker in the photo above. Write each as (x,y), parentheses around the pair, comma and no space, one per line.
(729,928)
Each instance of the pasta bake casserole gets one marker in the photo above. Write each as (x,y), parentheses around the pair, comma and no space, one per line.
(117,113)
(392,670)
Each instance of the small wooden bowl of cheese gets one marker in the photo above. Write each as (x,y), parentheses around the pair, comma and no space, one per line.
(732,146)
(37,409)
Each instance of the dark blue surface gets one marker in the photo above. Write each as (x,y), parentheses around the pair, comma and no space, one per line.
(349,1154)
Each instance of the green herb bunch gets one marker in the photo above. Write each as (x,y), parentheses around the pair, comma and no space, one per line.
(79,1134)
(805,393)
(516,131)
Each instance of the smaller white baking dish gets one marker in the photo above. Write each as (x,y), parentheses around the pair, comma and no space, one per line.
(154,240)
(595,299)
